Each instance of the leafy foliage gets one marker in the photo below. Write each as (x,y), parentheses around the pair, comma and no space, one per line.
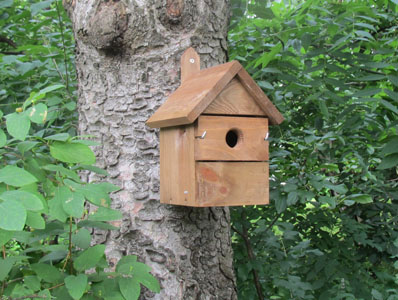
(331,230)
(44,224)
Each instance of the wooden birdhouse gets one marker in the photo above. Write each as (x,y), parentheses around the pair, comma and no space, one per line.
(214,137)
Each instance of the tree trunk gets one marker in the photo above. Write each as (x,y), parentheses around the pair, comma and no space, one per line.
(127,60)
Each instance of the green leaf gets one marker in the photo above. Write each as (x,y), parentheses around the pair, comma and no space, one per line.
(140,272)
(389,106)
(89,258)
(105,214)
(372,77)
(37,7)
(280,204)
(265,85)
(94,169)
(63,171)
(18,125)
(32,282)
(125,264)
(338,188)
(73,204)
(12,215)
(28,200)
(360,198)
(364,34)
(96,224)
(377,295)
(46,294)
(76,285)
(6,3)
(267,57)
(47,272)
(95,193)
(389,161)
(328,200)
(82,238)
(5,236)
(15,176)
(3,138)
(63,137)
(5,267)
(35,220)
(26,146)
(72,153)
(391,94)
(56,206)
(130,288)
(393,79)
(292,198)
(390,147)
(38,113)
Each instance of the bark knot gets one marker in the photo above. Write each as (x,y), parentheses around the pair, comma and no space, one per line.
(107,26)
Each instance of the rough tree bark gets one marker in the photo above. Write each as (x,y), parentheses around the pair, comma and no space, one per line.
(127,60)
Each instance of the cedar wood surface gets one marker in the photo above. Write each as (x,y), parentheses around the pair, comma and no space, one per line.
(251,145)
(207,172)
(232,183)
(234,100)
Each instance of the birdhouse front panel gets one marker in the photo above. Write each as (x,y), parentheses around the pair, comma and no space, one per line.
(214,137)
(232,183)
(220,138)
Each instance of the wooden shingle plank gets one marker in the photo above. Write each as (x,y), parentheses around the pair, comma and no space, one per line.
(275,117)
(190,64)
(234,100)
(193,96)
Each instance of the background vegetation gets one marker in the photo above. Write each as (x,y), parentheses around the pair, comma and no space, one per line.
(330,231)
(44,222)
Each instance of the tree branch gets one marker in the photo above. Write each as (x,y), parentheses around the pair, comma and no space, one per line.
(8,41)
(252,256)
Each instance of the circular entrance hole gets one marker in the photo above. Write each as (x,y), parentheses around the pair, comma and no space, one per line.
(232,138)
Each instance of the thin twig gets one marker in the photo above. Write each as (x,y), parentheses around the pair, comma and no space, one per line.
(3,286)
(29,296)
(245,236)
(70,246)
(55,286)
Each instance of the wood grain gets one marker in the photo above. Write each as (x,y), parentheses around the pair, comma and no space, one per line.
(275,117)
(234,100)
(190,64)
(232,183)
(193,96)
(251,145)
(177,165)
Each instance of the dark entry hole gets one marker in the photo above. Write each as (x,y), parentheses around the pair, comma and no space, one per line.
(232,138)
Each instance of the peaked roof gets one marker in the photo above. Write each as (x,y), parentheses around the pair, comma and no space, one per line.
(196,93)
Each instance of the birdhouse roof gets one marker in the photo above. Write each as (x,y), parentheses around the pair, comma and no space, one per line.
(199,90)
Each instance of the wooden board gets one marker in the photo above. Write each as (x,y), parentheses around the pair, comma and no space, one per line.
(193,96)
(234,100)
(250,145)
(177,165)
(190,64)
(262,100)
(232,183)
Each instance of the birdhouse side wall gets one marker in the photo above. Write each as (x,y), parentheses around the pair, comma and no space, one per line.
(177,165)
